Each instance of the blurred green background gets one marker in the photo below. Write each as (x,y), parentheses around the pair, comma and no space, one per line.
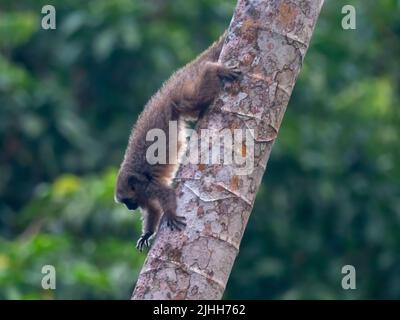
(68,98)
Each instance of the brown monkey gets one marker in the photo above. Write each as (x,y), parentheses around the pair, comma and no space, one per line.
(189,91)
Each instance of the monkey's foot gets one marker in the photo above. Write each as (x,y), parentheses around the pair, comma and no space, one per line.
(143,241)
(176,222)
(231,72)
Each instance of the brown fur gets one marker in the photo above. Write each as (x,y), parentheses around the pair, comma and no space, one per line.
(189,91)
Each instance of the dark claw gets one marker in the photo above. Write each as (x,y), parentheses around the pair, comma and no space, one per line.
(176,223)
(143,241)
(232,72)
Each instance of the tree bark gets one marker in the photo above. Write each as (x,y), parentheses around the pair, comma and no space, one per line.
(268,40)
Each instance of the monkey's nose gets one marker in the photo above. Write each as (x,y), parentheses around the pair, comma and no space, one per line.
(130,204)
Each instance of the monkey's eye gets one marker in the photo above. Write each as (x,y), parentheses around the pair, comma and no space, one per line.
(131,182)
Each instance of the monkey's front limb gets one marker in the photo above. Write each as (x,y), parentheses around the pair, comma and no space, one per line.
(151,219)
(167,200)
(198,93)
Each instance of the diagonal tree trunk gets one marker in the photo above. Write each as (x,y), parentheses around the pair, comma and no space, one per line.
(268,39)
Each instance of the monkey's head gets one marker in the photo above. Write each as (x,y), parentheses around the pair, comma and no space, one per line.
(125,191)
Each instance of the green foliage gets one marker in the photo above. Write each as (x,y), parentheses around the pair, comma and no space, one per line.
(73,225)
(68,98)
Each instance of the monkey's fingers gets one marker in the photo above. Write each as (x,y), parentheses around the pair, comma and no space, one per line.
(231,73)
(139,244)
(234,74)
(176,223)
(233,65)
(170,224)
(142,242)
(181,220)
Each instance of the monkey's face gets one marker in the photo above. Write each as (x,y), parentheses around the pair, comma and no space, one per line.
(125,191)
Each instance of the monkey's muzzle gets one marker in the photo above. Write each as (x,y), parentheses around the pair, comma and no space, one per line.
(130,204)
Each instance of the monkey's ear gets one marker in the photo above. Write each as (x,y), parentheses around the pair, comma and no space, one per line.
(136,178)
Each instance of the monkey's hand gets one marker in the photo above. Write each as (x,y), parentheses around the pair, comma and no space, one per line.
(230,73)
(175,222)
(143,241)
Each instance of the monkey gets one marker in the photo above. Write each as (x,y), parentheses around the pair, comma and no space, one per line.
(185,95)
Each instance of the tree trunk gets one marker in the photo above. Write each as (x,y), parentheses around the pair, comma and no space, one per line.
(268,40)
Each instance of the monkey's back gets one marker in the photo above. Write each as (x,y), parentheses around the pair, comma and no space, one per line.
(158,113)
